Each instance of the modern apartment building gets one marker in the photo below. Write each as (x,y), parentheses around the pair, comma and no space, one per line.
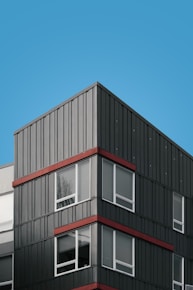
(103,200)
(6,227)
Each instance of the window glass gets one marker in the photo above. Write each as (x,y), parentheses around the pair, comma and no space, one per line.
(66,182)
(178,275)
(177,207)
(108,247)
(73,251)
(6,212)
(66,248)
(83,247)
(6,269)
(118,185)
(178,212)
(83,180)
(177,268)
(107,180)
(117,251)
(124,248)
(124,182)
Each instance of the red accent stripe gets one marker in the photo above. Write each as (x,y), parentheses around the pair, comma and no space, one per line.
(116,226)
(72,160)
(94,286)
(117,159)
(75,225)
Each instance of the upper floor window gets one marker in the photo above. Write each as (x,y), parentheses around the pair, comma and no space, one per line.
(118,251)
(6,272)
(73,184)
(72,251)
(178,212)
(6,212)
(118,185)
(178,272)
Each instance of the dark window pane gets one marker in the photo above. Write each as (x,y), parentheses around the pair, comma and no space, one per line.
(5,269)
(124,268)
(177,207)
(83,247)
(124,248)
(124,203)
(124,182)
(107,180)
(177,226)
(66,268)
(83,180)
(177,268)
(66,248)
(107,245)
(66,182)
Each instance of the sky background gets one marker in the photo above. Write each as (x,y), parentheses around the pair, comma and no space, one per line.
(142,51)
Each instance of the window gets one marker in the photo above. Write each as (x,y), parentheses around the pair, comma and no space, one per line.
(72,251)
(73,184)
(118,251)
(6,212)
(178,272)
(178,212)
(6,272)
(118,185)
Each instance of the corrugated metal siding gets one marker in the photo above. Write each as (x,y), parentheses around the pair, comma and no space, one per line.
(64,132)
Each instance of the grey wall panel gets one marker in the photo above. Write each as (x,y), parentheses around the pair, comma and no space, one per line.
(65,131)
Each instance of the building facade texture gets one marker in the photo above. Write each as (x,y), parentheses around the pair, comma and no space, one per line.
(102,200)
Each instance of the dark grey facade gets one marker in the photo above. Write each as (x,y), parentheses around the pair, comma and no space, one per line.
(154,219)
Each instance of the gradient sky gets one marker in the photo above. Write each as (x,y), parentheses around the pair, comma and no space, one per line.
(142,51)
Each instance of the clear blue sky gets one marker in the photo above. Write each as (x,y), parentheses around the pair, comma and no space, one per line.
(140,50)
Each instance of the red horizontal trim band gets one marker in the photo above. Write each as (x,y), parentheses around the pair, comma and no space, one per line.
(94,286)
(72,160)
(117,159)
(75,225)
(116,226)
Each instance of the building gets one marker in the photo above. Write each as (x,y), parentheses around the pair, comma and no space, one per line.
(6,227)
(103,200)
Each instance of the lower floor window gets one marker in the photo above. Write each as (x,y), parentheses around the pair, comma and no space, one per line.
(6,272)
(118,251)
(178,272)
(72,251)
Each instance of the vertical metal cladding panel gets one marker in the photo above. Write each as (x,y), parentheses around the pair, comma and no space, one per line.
(63,132)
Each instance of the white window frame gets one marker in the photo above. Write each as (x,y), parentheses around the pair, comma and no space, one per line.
(175,221)
(75,261)
(10,282)
(114,255)
(177,283)
(114,193)
(75,194)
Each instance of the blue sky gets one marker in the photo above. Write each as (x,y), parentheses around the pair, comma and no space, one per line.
(142,51)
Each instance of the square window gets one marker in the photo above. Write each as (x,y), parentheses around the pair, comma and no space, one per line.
(118,251)
(118,185)
(72,251)
(178,212)
(73,184)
